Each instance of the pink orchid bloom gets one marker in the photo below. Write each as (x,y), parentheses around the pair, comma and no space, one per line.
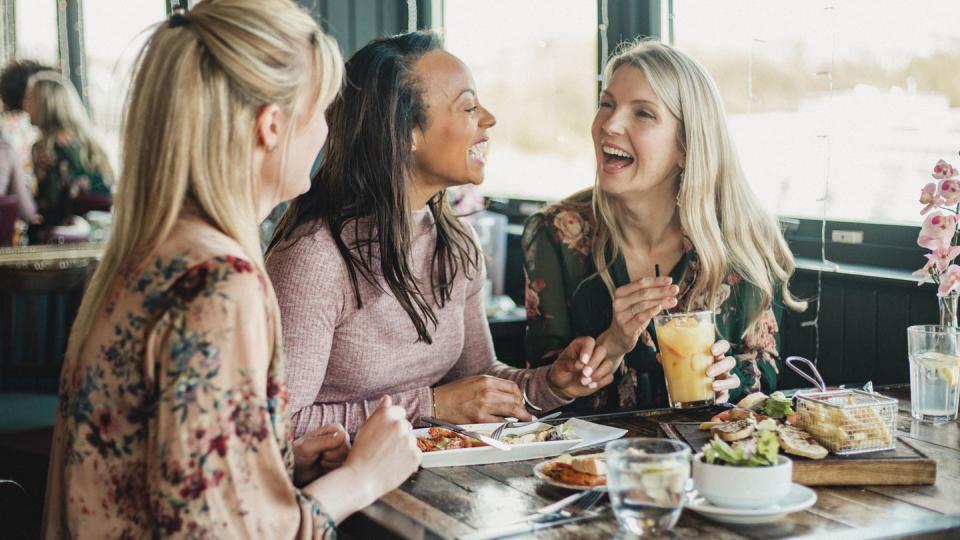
(949,280)
(942,257)
(923,274)
(943,170)
(937,231)
(929,197)
(950,191)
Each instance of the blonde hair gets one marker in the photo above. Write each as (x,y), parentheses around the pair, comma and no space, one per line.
(58,109)
(719,212)
(189,126)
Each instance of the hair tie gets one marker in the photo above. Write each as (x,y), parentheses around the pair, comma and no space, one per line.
(178,17)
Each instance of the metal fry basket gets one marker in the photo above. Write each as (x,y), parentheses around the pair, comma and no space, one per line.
(845,421)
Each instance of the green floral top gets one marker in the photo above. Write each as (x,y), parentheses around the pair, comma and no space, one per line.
(61,178)
(173,419)
(565,298)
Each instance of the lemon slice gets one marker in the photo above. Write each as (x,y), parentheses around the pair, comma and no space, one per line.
(949,374)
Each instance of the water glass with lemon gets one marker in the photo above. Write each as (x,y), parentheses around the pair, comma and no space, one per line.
(934,372)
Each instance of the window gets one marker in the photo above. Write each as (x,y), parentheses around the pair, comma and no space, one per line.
(113,32)
(852,99)
(535,66)
(37,31)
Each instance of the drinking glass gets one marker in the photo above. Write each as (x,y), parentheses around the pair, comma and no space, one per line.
(685,340)
(934,354)
(646,480)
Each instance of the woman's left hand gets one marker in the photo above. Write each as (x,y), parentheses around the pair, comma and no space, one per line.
(723,380)
(581,369)
(319,451)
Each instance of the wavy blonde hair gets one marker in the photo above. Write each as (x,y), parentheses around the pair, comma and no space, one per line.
(189,127)
(719,212)
(58,109)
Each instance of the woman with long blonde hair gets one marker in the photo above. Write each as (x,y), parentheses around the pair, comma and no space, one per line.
(669,194)
(69,162)
(173,415)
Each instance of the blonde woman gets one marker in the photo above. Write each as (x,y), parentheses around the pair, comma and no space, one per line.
(669,193)
(173,415)
(70,165)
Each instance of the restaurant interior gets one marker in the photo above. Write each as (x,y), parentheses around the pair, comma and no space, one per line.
(841,111)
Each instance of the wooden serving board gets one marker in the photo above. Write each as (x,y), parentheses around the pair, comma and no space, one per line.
(903,466)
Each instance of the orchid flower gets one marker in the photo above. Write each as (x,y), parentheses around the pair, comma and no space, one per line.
(950,192)
(943,170)
(937,231)
(929,197)
(949,280)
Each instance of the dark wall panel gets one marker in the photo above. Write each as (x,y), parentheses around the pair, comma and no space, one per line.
(860,333)
(893,312)
(863,327)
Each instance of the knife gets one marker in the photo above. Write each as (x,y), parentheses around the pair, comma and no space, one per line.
(489,441)
(526,528)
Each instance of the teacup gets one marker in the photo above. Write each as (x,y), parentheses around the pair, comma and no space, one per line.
(742,487)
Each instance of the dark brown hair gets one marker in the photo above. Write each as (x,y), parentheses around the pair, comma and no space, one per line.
(363,180)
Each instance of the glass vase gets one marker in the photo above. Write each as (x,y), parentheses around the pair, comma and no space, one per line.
(948,309)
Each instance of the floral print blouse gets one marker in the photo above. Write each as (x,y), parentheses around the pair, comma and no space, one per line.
(61,178)
(565,298)
(172,422)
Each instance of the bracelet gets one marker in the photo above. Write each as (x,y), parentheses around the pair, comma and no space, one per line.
(526,400)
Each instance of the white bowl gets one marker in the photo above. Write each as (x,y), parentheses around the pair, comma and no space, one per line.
(742,487)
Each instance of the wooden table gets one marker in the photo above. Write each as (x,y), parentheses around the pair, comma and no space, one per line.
(449,502)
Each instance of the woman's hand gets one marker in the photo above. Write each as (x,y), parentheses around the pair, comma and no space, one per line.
(723,380)
(479,399)
(385,452)
(634,304)
(319,451)
(581,369)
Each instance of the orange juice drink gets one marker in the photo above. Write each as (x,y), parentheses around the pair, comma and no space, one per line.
(685,340)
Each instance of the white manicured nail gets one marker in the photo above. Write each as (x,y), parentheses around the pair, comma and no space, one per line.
(587,371)
(593,385)
(585,381)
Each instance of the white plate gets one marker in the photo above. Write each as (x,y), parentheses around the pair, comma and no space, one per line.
(538,472)
(587,434)
(799,498)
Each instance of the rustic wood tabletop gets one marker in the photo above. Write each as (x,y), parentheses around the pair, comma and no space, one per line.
(456,501)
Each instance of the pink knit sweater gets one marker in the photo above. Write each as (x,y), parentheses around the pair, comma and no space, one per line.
(341,360)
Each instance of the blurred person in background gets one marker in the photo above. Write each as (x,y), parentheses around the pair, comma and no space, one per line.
(15,126)
(72,169)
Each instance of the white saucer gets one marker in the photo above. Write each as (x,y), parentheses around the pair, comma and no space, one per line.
(799,498)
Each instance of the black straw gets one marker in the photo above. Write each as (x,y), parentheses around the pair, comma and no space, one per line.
(656,269)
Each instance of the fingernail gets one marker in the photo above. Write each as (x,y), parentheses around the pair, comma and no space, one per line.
(584,359)
(593,385)
(585,381)
(587,371)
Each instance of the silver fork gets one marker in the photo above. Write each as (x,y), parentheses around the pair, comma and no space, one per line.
(583,502)
(497,433)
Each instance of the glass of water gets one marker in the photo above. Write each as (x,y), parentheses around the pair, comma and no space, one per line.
(934,372)
(646,480)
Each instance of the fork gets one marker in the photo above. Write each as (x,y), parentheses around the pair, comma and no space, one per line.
(564,508)
(497,433)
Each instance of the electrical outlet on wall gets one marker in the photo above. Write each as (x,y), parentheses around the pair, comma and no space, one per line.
(847,237)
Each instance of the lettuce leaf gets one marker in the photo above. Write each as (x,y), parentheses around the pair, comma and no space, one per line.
(777,406)
(758,451)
